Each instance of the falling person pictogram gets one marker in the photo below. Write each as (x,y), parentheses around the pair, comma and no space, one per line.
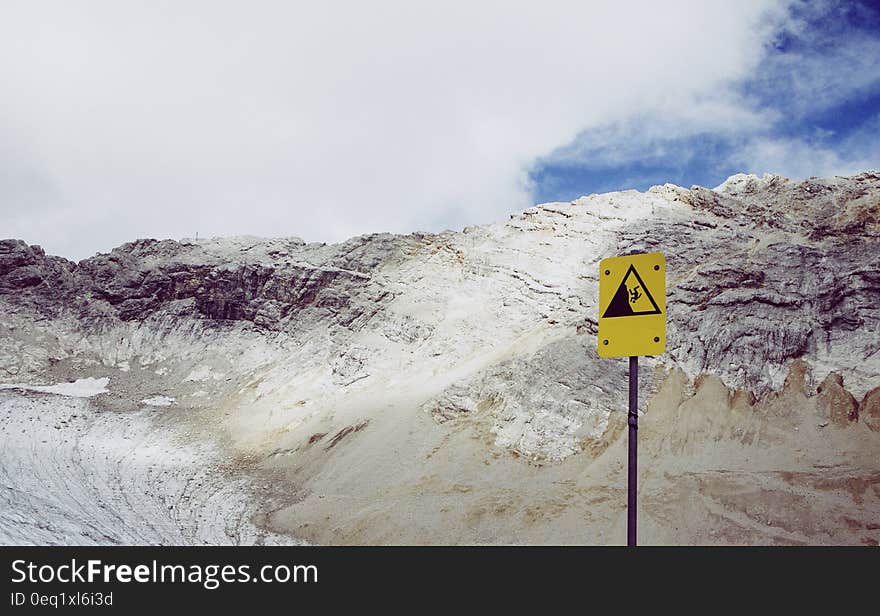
(628,300)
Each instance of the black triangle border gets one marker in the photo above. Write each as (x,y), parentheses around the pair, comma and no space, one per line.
(632,268)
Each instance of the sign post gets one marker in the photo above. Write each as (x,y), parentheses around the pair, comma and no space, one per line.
(632,322)
(633,454)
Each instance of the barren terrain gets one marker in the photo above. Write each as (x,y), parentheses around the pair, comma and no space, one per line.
(445,388)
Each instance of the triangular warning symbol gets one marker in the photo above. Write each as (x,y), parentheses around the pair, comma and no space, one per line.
(632,298)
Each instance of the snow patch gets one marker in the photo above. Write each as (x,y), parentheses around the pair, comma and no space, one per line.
(80,388)
(72,475)
(159,401)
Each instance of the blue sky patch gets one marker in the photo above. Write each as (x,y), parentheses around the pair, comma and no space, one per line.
(817,89)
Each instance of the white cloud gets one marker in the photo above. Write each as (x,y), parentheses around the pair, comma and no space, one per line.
(765,123)
(657,131)
(826,65)
(800,158)
(792,157)
(121,120)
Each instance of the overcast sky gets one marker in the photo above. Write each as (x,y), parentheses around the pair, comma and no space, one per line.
(328,119)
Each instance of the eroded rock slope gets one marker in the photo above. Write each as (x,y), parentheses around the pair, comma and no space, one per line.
(352,368)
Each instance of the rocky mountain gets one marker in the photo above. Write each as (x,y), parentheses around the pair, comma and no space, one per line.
(445,388)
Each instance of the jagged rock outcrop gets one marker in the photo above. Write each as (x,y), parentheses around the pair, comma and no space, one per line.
(138,279)
(836,402)
(869,409)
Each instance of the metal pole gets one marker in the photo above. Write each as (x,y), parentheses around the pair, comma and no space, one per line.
(633,449)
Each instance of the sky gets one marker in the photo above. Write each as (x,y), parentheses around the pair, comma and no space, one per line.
(323,120)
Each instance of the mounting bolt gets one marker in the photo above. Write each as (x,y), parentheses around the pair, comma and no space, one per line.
(605,342)
(656,339)
(656,268)
(607,272)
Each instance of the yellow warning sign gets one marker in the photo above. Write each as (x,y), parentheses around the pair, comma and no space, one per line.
(632,305)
